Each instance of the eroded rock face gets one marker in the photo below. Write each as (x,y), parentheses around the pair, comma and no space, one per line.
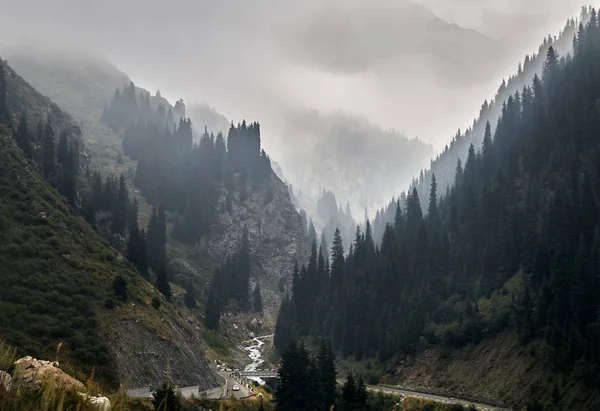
(143,358)
(100,403)
(276,234)
(33,372)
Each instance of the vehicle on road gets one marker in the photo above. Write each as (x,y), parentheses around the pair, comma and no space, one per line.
(236,387)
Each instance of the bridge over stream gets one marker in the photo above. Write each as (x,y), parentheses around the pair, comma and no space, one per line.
(272,373)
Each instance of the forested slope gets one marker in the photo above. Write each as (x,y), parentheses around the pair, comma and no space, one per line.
(127,126)
(444,164)
(64,293)
(513,244)
(220,193)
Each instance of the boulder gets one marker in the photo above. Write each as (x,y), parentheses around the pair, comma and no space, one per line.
(30,371)
(253,324)
(5,381)
(100,403)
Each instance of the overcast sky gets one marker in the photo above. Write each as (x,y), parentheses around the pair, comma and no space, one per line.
(246,57)
(396,64)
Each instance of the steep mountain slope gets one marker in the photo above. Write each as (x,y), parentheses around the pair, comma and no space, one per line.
(444,165)
(514,246)
(275,229)
(214,191)
(276,235)
(22,98)
(57,275)
(82,85)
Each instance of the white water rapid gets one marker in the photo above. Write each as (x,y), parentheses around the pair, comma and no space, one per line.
(254,349)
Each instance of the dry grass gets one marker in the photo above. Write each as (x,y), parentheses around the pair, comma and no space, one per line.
(8,355)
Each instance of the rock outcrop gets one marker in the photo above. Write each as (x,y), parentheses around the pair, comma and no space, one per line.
(101,403)
(33,372)
(277,238)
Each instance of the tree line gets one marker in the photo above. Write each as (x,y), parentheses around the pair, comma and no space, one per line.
(310,382)
(443,166)
(109,210)
(231,283)
(57,159)
(196,181)
(514,243)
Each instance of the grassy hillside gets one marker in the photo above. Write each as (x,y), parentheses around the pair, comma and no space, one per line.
(57,274)
(55,271)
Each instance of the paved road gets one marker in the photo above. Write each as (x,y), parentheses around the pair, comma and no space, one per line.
(214,393)
(433,397)
(242,393)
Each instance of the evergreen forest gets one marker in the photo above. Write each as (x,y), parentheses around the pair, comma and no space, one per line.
(513,243)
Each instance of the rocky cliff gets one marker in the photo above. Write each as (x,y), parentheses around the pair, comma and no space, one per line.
(276,234)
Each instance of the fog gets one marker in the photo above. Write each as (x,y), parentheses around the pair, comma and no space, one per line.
(423,68)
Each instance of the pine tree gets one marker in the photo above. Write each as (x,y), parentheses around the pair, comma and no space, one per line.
(215,302)
(4,112)
(354,394)
(433,204)
(120,209)
(323,247)
(62,149)
(293,377)
(312,232)
(136,246)
(23,137)
(162,231)
(487,143)
(120,287)
(258,305)
(327,375)
(190,297)
(286,325)
(166,399)
(49,160)
(156,239)
(67,175)
(337,261)
(349,394)
(550,65)
(162,282)
(240,283)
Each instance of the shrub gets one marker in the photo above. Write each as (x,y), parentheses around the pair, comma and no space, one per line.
(109,303)
(120,287)
(165,398)
(156,302)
